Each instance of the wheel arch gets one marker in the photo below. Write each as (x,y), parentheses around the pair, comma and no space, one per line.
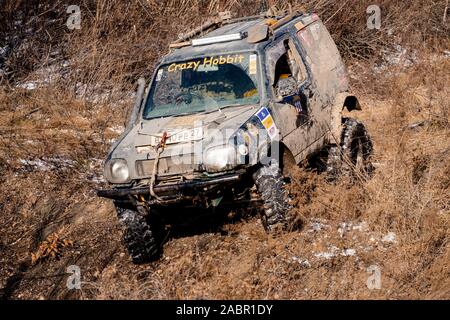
(344,100)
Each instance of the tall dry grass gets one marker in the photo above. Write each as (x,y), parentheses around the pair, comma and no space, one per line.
(72,117)
(407,199)
(120,41)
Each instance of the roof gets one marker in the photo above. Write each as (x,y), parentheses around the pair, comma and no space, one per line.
(211,49)
(243,45)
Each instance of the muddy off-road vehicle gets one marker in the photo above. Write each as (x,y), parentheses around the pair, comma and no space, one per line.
(233,106)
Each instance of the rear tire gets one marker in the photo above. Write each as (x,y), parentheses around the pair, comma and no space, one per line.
(271,187)
(141,237)
(353,154)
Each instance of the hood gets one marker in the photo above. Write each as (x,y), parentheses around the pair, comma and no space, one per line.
(202,130)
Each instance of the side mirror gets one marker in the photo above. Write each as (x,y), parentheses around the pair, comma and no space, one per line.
(286,87)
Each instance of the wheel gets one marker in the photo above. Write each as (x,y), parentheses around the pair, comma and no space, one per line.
(271,188)
(141,237)
(353,154)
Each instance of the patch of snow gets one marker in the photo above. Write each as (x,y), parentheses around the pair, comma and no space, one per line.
(117,129)
(47,164)
(391,237)
(31,85)
(333,251)
(95,171)
(45,75)
(303,262)
(97,179)
(324,255)
(327,254)
(362,227)
(343,228)
(3,50)
(398,56)
(317,226)
(37,164)
(348,252)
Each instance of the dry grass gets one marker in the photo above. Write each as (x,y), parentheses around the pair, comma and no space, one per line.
(407,197)
(52,140)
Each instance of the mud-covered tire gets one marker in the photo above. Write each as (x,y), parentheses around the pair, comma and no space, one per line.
(271,188)
(141,237)
(353,153)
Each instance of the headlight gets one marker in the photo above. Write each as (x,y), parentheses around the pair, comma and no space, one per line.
(220,158)
(116,171)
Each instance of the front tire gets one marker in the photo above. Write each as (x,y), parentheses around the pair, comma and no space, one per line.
(141,237)
(271,187)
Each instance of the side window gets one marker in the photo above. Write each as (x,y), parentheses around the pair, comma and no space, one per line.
(296,60)
(288,71)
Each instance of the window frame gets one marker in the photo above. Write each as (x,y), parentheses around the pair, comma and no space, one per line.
(298,58)
(259,78)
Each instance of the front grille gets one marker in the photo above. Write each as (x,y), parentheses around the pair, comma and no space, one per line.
(167,166)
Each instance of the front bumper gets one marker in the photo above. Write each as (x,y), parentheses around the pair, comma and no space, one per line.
(177,188)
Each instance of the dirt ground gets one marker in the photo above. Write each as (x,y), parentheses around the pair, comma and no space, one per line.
(54,137)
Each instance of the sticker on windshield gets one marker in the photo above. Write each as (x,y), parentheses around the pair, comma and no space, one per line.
(252,64)
(206,62)
(159,75)
(267,121)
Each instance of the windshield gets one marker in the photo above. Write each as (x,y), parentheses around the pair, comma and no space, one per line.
(203,84)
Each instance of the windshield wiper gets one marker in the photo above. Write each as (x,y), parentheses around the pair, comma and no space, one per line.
(174,115)
(185,114)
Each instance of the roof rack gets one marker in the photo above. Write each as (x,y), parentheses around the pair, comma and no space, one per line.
(223,19)
(276,19)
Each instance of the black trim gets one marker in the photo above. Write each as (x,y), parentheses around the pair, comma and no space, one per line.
(181,186)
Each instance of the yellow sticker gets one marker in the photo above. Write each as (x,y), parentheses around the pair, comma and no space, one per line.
(250,93)
(206,62)
(299,25)
(267,122)
(252,64)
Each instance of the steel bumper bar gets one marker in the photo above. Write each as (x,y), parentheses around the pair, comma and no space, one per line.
(168,188)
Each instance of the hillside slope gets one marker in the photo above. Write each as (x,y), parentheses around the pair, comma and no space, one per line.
(61,109)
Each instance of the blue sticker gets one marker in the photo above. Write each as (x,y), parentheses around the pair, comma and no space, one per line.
(262,113)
